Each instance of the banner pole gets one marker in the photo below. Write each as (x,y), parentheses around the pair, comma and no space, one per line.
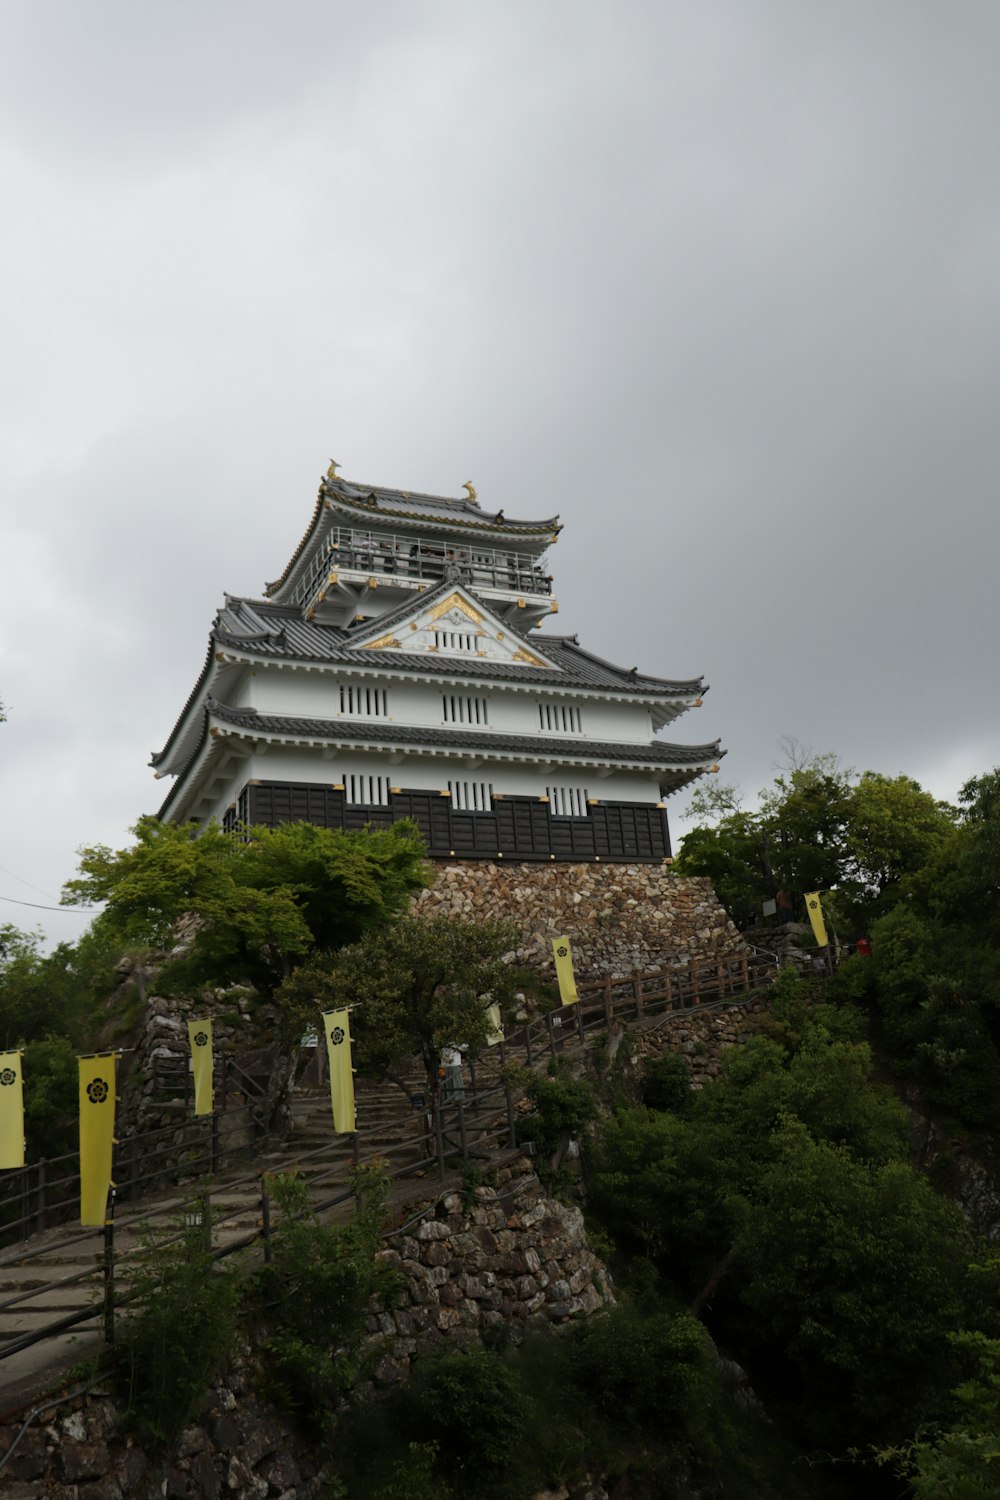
(109,1271)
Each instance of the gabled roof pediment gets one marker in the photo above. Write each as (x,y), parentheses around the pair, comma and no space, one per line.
(450,622)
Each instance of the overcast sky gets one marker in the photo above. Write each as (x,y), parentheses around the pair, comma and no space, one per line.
(718,282)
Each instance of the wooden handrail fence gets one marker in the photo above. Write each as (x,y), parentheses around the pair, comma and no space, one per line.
(479,1125)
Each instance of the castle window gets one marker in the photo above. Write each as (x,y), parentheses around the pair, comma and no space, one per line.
(454,640)
(567,801)
(459,709)
(471,796)
(363,702)
(559,718)
(366,791)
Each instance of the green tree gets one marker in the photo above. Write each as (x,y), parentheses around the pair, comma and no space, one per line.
(933,983)
(313,1296)
(856,1274)
(261,904)
(180,1330)
(416,986)
(817,827)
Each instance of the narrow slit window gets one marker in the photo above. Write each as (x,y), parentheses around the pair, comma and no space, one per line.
(361,789)
(455,640)
(567,801)
(458,709)
(361,701)
(471,796)
(559,718)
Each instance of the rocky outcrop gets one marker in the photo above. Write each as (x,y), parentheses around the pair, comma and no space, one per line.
(510,1256)
(702,1039)
(621,917)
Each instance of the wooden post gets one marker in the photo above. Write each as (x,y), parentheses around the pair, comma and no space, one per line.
(511,1117)
(579,1020)
(695,993)
(461,1129)
(552,1038)
(668,988)
(108,1271)
(637,992)
(40,1211)
(607,1001)
(438,1136)
(265,1217)
(746,969)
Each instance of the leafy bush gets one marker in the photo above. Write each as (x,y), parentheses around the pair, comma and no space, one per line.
(666,1084)
(176,1336)
(636,1367)
(563,1106)
(312,1298)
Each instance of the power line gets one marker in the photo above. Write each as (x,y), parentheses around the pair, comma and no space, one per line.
(39,906)
(21,881)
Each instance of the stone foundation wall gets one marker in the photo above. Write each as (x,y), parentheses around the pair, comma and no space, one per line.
(620,917)
(702,1039)
(511,1256)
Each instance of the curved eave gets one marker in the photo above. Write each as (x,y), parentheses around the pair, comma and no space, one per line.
(457,673)
(317,515)
(674,766)
(466,519)
(329,502)
(397,739)
(215,674)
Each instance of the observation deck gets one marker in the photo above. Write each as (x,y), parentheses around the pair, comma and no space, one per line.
(351,563)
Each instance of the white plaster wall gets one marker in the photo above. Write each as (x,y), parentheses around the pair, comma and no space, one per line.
(432,773)
(316,695)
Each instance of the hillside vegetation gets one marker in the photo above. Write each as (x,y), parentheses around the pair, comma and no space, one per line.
(778,1217)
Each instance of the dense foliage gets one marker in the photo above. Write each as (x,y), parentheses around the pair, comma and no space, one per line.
(263,903)
(932,985)
(818,827)
(781,1201)
(417,986)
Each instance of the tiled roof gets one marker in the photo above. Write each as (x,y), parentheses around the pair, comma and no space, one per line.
(291,638)
(430,507)
(375,500)
(277,632)
(369,732)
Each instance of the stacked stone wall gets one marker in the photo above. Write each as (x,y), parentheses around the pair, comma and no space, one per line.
(508,1254)
(702,1039)
(620,917)
(512,1256)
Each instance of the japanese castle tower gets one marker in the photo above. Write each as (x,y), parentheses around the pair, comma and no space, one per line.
(394,670)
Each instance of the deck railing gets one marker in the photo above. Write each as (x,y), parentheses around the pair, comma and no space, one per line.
(429,1138)
(385,553)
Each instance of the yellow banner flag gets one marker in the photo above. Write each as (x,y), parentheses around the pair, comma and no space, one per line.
(11,1111)
(495,1023)
(97,1133)
(816,918)
(563,950)
(200,1037)
(338,1048)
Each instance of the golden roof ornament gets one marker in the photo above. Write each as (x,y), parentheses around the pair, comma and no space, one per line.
(331,472)
(468,485)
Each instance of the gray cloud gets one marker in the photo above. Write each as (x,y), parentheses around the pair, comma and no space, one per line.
(717,283)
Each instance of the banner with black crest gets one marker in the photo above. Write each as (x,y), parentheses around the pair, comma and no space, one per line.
(200,1037)
(97,1135)
(336,1024)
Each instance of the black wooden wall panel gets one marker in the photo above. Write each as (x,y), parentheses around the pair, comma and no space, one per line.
(517,827)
